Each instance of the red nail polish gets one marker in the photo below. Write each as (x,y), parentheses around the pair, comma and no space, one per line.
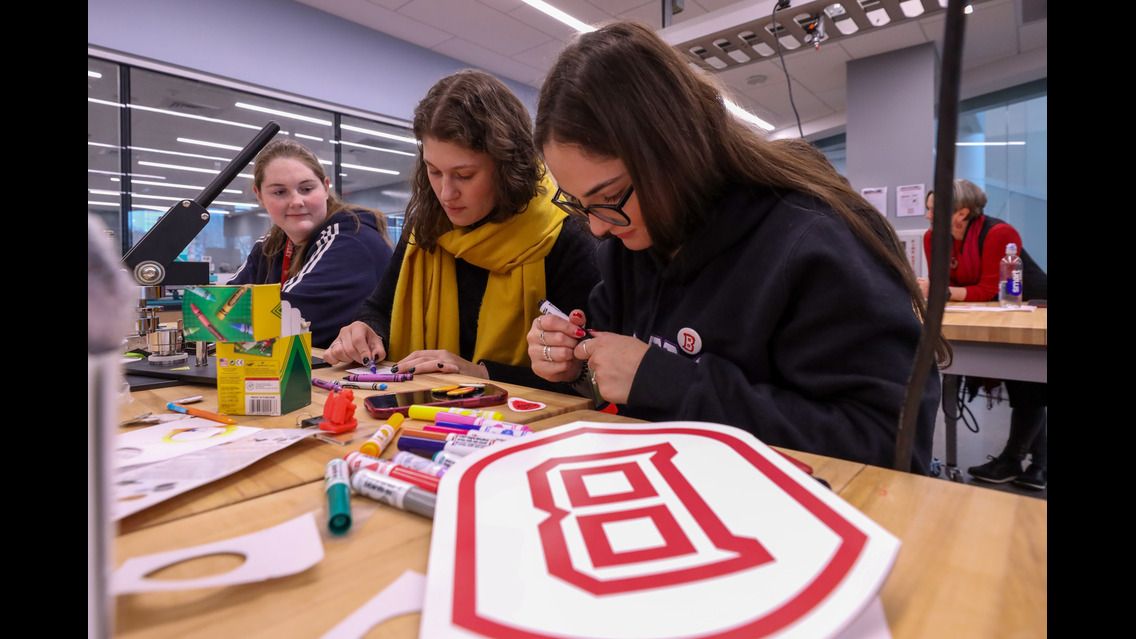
(580,332)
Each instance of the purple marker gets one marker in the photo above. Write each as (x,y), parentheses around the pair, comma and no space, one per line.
(380,377)
(358,386)
(324,384)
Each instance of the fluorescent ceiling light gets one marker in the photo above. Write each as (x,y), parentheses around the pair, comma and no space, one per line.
(1011,143)
(376,148)
(179,199)
(389,136)
(94,74)
(147,207)
(190,116)
(283,114)
(143,175)
(746,116)
(216,145)
(308,137)
(194,169)
(94,203)
(550,10)
(398,194)
(371,169)
(184,186)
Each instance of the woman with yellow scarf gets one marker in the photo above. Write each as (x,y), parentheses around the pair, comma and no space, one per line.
(482,246)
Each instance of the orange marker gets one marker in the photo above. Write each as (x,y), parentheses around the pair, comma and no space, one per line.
(197,412)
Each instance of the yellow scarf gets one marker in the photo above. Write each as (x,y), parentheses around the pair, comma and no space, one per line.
(425,311)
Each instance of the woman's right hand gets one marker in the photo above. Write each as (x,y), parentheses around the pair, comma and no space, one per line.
(552,342)
(356,342)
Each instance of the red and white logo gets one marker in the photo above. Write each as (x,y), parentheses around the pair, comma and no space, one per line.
(645,530)
(689,341)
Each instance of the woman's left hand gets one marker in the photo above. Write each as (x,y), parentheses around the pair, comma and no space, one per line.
(613,360)
(439,361)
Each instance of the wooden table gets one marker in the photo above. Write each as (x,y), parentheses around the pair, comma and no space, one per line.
(973,561)
(304,461)
(1001,345)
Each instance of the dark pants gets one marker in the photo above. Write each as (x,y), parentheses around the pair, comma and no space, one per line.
(1028,421)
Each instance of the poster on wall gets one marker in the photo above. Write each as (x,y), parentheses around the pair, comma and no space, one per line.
(909,200)
(877,196)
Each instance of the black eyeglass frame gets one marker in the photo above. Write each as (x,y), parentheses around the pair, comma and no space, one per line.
(599,210)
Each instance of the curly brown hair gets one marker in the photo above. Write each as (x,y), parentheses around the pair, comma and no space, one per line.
(477,111)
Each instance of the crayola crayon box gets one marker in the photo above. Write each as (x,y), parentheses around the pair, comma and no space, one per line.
(264,348)
(246,313)
(267,377)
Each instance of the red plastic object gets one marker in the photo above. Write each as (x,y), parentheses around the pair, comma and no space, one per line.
(339,412)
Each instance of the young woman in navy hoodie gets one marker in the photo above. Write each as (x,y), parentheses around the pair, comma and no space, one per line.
(742,282)
(328,255)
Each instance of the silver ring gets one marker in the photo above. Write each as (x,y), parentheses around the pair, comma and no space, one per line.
(547,353)
(586,351)
(542,338)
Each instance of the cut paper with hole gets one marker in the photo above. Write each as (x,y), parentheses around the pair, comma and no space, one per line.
(402,597)
(168,440)
(289,548)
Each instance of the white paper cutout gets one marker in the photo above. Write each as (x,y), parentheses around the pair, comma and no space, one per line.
(403,596)
(286,549)
(168,440)
(138,488)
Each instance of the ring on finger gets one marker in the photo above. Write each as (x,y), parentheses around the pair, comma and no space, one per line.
(586,351)
(542,338)
(547,353)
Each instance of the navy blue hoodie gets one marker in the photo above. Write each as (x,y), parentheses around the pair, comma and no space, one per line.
(345,261)
(773,318)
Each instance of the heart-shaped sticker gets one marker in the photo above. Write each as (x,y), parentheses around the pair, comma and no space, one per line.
(523,405)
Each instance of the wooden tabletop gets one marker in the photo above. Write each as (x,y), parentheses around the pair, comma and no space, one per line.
(304,461)
(1010,327)
(973,563)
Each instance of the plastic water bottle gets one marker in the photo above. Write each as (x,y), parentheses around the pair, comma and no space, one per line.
(1010,277)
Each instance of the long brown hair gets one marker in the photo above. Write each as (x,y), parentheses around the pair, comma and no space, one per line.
(622,92)
(477,111)
(276,240)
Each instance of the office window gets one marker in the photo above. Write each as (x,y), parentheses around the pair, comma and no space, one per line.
(376,162)
(1003,148)
(182,132)
(104,173)
(835,148)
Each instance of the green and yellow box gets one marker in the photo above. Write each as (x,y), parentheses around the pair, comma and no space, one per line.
(267,377)
(247,313)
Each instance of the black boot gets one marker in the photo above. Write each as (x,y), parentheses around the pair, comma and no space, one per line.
(1036,475)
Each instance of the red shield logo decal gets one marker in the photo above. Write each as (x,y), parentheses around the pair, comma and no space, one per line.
(642,531)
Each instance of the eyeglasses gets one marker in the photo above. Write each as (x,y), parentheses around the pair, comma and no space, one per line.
(611,213)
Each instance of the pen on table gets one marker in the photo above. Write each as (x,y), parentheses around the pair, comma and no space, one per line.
(197,412)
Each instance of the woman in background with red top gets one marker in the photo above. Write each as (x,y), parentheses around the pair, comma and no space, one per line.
(979,244)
